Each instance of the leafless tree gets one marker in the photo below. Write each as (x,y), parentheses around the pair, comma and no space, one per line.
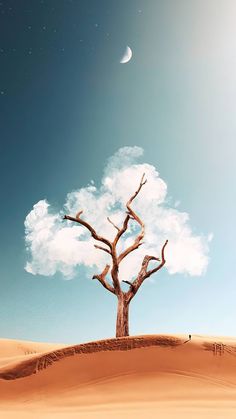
(114,285)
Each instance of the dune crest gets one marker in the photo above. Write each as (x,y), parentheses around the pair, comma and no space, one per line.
(34,364)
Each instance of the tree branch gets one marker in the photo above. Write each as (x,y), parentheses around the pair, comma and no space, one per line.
(111,222)
(163,261)
(89,227)
(122,230)
(112,252)
(131,214)
(128,282)
(115,270)
(102,248)
(102,280)
(144,273)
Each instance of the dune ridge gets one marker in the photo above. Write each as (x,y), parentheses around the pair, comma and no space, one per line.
(36,363)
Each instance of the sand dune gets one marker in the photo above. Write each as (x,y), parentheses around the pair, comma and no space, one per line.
(14,351)
(12,347)
(135,377)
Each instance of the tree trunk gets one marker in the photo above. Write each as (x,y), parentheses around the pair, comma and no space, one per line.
(122,321)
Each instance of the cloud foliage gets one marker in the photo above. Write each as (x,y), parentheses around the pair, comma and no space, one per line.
(54,245)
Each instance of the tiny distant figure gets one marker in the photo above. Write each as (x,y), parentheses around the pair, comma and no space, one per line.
(189,337)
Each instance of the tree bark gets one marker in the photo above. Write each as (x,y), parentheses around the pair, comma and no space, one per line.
(122,321)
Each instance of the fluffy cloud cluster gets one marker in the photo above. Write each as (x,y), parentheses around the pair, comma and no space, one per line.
(55,245)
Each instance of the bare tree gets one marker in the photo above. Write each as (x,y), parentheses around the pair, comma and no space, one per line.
(114,286)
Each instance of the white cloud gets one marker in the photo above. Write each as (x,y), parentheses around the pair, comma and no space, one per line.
(55,245)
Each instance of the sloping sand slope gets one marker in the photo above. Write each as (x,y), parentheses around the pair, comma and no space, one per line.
(11,347)
(135,377)
(15,350)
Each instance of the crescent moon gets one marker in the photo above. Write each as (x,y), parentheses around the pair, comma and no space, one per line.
(127,56)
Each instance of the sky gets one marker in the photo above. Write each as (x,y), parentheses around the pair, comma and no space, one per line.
(67,106)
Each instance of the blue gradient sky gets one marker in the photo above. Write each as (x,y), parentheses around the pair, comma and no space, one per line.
(66,105)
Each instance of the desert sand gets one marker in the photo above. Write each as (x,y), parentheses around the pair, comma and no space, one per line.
(138,377)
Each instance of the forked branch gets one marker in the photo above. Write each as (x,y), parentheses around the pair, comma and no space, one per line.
(145,273)
(122,230)
(128,282)
(132,215)
(111,250)
(163,261)
(89,227)
(111,222)
(102,279)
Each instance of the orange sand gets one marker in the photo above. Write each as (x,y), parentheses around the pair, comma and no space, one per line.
(137,377)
